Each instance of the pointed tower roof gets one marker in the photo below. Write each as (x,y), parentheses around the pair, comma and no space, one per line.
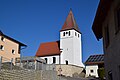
(70,23)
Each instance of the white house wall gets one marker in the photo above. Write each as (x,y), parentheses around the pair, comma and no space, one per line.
(92,67)
(50,59)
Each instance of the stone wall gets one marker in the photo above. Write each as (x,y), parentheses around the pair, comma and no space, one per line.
(69,70)
(27,75)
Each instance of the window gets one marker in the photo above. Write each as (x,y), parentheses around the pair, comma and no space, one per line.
(13,51)
(117,15)
(2,39)
(75,34)
(54,60)
(110,75)
(1,47)
(78,35)
(69,33)
(66,62)
(64,34)
(46,60)
(107,36)
(91,71)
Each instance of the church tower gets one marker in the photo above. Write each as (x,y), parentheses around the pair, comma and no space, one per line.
(70,42)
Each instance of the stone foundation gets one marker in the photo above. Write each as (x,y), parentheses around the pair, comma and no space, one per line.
(69,70)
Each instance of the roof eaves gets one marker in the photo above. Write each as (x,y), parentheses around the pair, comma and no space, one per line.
(103,7)
(21,44)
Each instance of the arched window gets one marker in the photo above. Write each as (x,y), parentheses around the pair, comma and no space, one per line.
(64,34)
(54,60)
(66,62)
(69,33)
(46,60)
(75,33)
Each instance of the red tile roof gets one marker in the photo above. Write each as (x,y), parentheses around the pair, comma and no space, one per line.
(49,49)
(70,23)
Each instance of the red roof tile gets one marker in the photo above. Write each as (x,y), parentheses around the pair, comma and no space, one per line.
(48,49)
(70,23)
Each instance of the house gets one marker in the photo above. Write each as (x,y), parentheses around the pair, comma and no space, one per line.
(93,63)
(106,25)
(9,48)
(67,51)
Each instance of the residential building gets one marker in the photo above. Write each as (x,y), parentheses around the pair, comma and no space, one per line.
(66,51)
(106,25)
(9,48)
(93,63)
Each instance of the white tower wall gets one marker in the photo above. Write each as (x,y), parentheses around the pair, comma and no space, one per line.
(71,47)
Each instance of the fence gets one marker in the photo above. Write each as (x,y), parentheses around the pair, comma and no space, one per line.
(30,70)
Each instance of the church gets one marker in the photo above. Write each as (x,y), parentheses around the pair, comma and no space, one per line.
(68,50)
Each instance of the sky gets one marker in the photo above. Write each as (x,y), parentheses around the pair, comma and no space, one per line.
(36,21)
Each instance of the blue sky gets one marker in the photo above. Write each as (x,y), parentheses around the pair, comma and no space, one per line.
(35,21)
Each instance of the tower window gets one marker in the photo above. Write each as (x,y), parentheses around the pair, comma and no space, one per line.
(13,51)
(46,60)
(64,34)
(1,47)
(78,35)
(66,62)
(75,34)
(69,33)
(54,60)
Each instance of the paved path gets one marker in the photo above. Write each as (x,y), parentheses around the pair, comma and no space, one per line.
(69,78)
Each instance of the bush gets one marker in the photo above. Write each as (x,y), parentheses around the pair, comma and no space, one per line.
(101,73)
